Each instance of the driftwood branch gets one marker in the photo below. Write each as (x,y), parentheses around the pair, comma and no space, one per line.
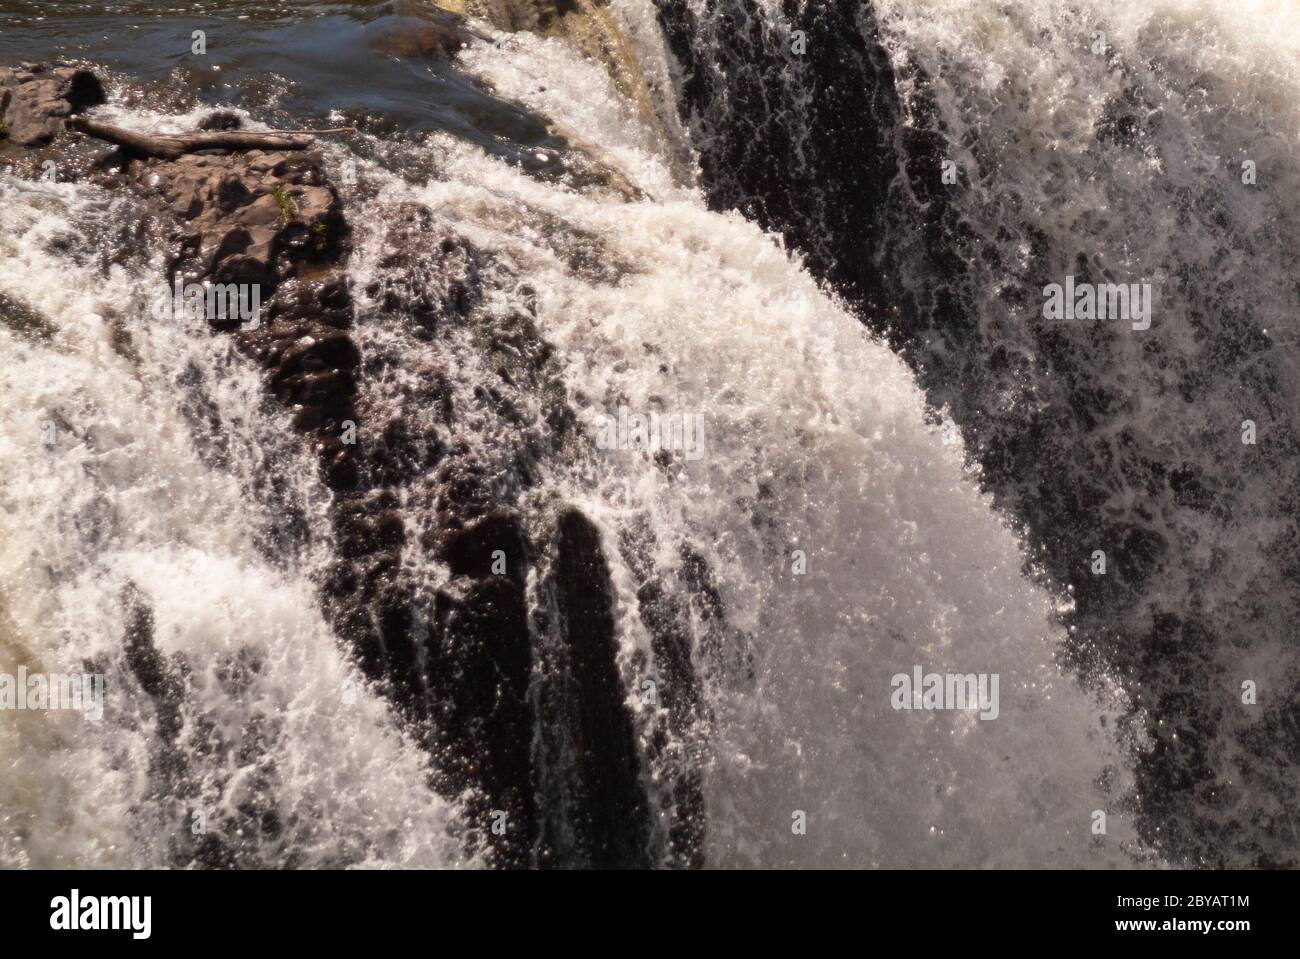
(170,146)
(310,133)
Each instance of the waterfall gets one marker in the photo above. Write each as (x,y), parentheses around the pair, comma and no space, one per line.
(508,629)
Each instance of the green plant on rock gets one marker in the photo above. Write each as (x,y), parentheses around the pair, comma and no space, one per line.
(319,237)
(287,210)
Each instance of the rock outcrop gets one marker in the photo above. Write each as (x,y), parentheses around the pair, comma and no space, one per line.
(463,655)
(36,101)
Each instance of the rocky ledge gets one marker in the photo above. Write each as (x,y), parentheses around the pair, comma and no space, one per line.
(36,100)
(458,660)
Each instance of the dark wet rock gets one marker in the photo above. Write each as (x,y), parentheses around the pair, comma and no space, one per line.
(368,524)
(23,319)
(863,201)
(475,664)
(610,822)
(752,156)
(247,218)
(420,288)
(475,547)
(221,120)
(271,220)
(36,100)
(462,491)
(479,668)
(156,676)
(415,490)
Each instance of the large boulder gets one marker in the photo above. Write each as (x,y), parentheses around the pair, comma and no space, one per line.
(36,100)
(249,217)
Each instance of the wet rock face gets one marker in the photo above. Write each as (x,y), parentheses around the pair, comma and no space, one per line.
(677,748)
(611,822)
(270,220)
(737,66)
(248,218)
(36,100)
(456,662)
(434,549)
(862,198)
(485,616)
(492,671)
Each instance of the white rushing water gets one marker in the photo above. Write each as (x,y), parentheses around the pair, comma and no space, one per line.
(124,495)
(1153,142)
(816,439)
(1149,142)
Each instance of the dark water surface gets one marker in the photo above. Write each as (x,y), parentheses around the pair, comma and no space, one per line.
(383,67)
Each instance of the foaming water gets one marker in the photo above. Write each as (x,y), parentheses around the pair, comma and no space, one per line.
(815,440)
(1117,143)
(1147,142)
(135,494)
(174,478)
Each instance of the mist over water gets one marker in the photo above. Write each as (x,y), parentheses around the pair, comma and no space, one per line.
(832,535)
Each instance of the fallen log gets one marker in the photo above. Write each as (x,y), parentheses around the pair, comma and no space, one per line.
(168,146)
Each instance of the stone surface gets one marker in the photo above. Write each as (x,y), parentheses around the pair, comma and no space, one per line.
(36,100)
(435,552)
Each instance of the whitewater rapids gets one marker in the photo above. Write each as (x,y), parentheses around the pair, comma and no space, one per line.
(817,440)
